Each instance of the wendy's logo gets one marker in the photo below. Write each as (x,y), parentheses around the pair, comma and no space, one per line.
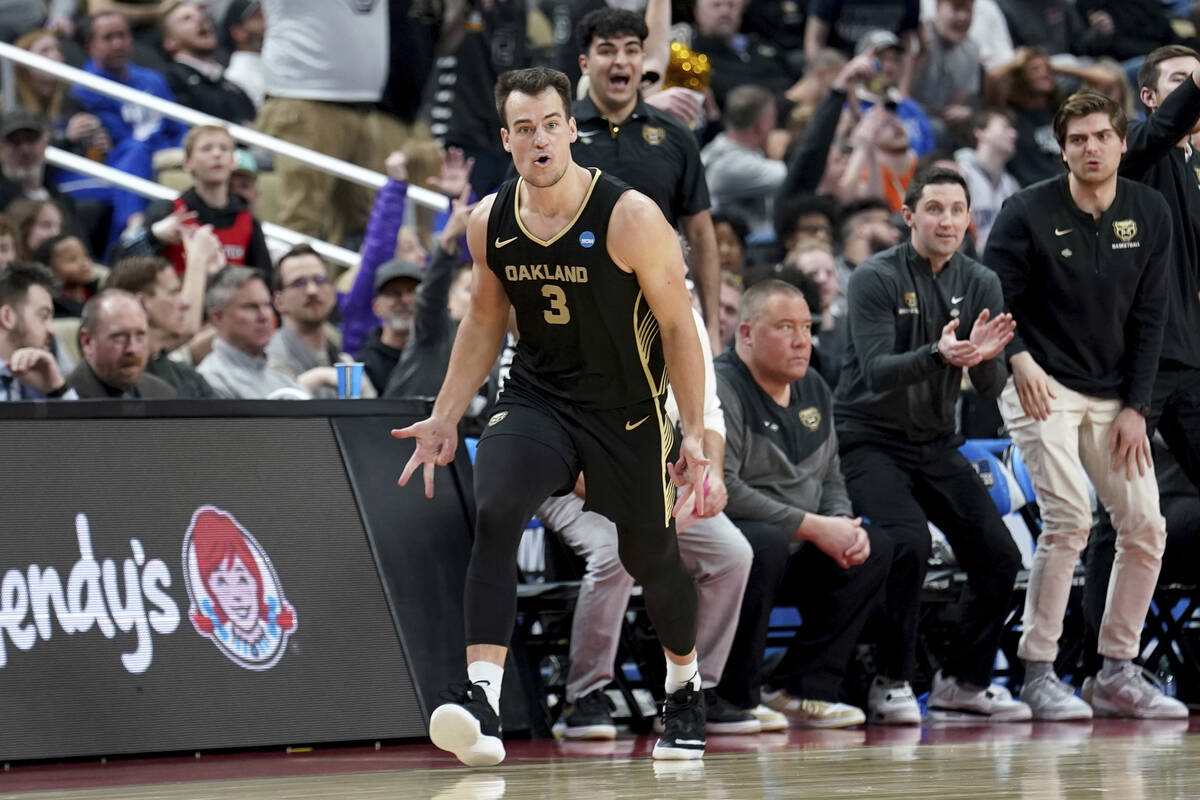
(236,599)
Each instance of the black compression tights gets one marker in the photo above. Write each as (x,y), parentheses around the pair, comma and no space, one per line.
(513,476)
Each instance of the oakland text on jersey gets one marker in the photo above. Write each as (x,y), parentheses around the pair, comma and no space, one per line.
(545,272)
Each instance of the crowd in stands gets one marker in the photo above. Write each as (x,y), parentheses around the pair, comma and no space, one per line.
(790,143)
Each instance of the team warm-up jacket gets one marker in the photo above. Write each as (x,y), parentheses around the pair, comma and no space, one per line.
(1153,158)
(1087,295)
(780,463)
(892,383)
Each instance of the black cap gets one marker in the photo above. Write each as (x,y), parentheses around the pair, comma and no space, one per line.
(396,268)
(237,12)
(21,120)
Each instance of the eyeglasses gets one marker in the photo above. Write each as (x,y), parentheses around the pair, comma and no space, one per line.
(320,281)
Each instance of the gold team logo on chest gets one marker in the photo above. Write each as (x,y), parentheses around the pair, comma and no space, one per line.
(1125,229)
(654,135)
(910,299)
(810,418)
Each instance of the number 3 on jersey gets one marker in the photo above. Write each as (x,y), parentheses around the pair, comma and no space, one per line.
(558,313)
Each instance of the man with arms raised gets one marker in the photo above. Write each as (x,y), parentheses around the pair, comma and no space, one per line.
(595,276)
(1083,259)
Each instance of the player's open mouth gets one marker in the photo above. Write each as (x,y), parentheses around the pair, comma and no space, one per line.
(619,81)
(542,161)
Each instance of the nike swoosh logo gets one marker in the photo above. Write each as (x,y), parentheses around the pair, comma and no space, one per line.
(631,425)
(1057,232)
(956,300)
(500,244)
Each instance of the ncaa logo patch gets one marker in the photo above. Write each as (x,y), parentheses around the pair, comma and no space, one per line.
(587,239)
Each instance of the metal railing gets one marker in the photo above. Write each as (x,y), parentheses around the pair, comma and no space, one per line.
(156,191)
(342,169)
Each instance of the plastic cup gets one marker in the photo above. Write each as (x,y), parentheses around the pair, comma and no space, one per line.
(349,379)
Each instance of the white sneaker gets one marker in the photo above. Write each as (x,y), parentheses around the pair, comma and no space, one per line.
(1051,700)
(1133,692)
(805,713)
(951,701)
(769,718)
(892,703)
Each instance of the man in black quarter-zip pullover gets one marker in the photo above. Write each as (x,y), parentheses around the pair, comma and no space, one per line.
(894,415)
(1083,260)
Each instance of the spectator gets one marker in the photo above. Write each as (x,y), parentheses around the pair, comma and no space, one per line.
(948,73)
(152,279)
(883,87)
(243,181)
(114,339)
(208,158)
(1027,88)
(803,218)
(24,137)
(737,58)
(395,305)
(46,96)
(988,31)
(439,307)
(324,104)
(895,405)
(1135,27)
(245,29)
(301,348)
(646,147)
(984,168)
(815,260)
(24,15)
(881,163)
(137,132)
(196,78)
(28,370)
(8,242)
(731,299)
(68,259)
(842,23)
(36,221)
(740,175)
(143,18)
(786,496)
(714,553)
(731,232)
(866,229)
(239,307)
(1055,26)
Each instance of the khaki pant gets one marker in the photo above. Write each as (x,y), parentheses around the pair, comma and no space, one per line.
(1074,440)
(317,203)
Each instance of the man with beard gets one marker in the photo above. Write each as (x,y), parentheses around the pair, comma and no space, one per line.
(153,281)
(395,305)
(301,348)
(196,78)
(24,137)
(116,345)
(867,229)
(28,370)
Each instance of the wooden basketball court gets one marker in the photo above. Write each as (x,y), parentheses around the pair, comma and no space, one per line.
(1121,760)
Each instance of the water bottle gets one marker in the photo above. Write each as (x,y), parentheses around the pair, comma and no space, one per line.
(1165,677)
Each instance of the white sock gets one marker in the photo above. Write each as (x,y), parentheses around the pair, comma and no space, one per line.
(680,675)
(489,676)
(1113,665)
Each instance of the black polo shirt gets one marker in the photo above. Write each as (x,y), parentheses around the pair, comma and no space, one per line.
(652,151)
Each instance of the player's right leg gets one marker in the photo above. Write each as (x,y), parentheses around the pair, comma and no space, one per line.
(513,475)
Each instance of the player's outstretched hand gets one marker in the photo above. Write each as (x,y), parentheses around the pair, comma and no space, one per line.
(688,471)
(436,442)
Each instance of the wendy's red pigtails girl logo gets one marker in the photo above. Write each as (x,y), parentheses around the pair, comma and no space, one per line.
(236,599)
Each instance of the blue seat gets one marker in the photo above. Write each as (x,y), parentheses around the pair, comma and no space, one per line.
(984,455)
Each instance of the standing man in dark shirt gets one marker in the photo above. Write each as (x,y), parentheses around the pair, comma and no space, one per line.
(647,148)
(1159,155)
(895,417)
(594,275)
(1083,260)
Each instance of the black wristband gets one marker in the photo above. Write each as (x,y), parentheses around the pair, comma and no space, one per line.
(60,391)
(936,355)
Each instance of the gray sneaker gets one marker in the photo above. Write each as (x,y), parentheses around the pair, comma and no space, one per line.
(1051,700)
(1134,692)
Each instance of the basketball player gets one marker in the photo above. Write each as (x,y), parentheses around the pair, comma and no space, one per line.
(596,278)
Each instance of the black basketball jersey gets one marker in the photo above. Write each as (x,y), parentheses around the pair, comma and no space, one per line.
(587,335)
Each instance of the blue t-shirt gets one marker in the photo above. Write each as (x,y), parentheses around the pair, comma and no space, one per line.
(125,120)
(920,133)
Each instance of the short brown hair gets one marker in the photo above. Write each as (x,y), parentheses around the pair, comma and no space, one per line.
(189,141)
(297,250)
(1148,72)
(1086,103)
(137,273)
(532,81)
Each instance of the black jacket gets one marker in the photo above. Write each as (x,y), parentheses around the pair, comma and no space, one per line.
(1088,295)
(1154,159)
(378,359)
(426,355)
(221,98)
(891,382)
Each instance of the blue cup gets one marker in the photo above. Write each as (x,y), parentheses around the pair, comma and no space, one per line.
(349,378)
